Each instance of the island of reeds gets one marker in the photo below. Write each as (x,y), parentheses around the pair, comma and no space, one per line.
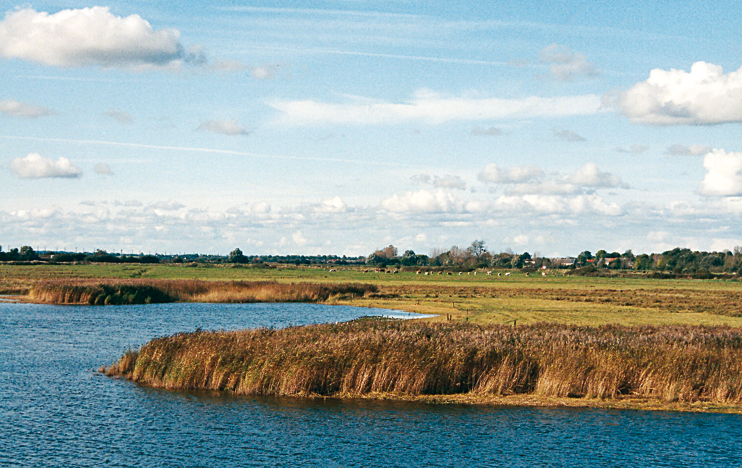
(147,291)
(406,359)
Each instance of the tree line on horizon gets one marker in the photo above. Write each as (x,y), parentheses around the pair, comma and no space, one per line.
(678,261)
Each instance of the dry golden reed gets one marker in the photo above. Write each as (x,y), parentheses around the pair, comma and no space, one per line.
(145,291)
(669,364)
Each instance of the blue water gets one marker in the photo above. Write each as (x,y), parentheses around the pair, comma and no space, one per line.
(56,411)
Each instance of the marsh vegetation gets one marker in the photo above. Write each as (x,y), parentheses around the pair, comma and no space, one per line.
(668,364)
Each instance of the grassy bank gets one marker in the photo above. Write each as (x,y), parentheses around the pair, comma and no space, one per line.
(481,299)
(144,291)
(657,364)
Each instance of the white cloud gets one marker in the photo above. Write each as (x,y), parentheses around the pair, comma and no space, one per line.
(590,176)
(492,131)
(704,96)
(266,72)
(545,187)
(15,108)
(634,149)
(299,239)
(494,174)
(88,36)
(449,181)
(224,127)
(422,201)
(682,150)
(103,169)
(168,206)
(120,116)
(421,179)
(431,107)
(332,205)
(35,166)
(724,176)
(569,135)
(565,64)
(556,204)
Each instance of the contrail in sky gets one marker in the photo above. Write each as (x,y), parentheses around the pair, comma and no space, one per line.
(197,150)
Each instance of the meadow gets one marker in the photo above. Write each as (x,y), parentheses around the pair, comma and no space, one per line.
(481,299)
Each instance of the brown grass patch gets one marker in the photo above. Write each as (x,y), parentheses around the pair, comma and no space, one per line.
(145,291)
(668,364)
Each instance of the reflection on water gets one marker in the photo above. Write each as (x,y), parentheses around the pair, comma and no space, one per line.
(56,411)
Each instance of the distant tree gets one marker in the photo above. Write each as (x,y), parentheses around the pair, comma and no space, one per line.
(389,252)
(236,256)
(27,253)
(477,248)
(643,262)
(583,258)
(410,258)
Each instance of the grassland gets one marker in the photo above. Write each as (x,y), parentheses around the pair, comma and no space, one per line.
(479,299)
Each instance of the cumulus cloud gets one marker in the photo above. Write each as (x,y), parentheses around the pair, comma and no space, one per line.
(724,176)
(682,150)
(299,239)
(266,72)
(103,169)
(421,179)
(168,205)
(120,116)
(556,204)
(569,135)
(224,127)
(15,108)
(89,36)
(704,96)
(35,166)
(494,174)
(634,149)
(492,131)
(565,64)
(590,176)
(433,108)
(422,201)
(449,181)
(332,205)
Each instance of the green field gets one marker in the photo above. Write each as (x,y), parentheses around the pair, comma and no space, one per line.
(521,299)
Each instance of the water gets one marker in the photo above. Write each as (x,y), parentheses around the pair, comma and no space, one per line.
(56,411)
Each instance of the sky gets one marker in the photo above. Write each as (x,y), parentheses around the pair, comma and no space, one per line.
(340,127)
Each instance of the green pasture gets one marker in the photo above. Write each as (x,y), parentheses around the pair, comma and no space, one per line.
(481,298)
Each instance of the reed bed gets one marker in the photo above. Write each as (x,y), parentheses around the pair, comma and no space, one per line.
(669,364)
(145,291)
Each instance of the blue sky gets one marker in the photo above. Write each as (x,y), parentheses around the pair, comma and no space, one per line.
(342,127)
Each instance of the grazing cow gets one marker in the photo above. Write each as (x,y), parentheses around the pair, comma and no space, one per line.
(543,273)
(489,273)
(450,274)
(507,274)
(528,274)
(332,270)
(499,274)
(417,272)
